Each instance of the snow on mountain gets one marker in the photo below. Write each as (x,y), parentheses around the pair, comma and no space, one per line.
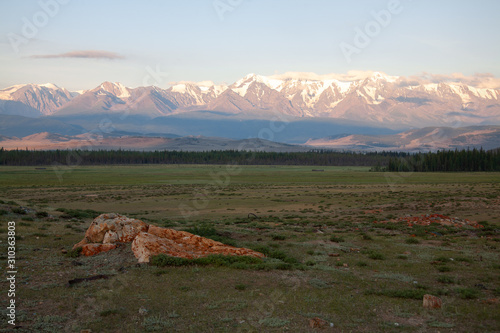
(46,98)
(372,97)
(424,139)
(115,88)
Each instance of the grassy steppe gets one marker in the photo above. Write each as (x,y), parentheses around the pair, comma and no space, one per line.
(358,275)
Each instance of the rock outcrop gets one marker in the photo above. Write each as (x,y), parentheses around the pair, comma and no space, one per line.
(432,302)
(107,230)
(428,219)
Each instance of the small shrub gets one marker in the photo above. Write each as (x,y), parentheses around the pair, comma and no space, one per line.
(337,239)
(3,212)
(446,279)
(203,230)
(162,260)
(273,322)
(318,284)
(439,324)
(444,269)
(19,211)
(467,293)
(160,272)
(42,214)
(361,264)
(442,259)
(208,231)
(402,257)
(240,286)
(366,237)
(376,256)
(156,323)
(111,312)
(74,253)
(28,218)
(463,259)
(402,293)
(78,213)
(278,237)
(412,240)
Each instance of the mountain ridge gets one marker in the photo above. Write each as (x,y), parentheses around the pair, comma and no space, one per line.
(416,140)
(377,98)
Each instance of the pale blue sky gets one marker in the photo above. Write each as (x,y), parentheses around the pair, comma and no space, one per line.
(188,40)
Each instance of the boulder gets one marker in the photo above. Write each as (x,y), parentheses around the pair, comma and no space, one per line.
(432,302)
(107,230)
(317,322)
(95,248)
(112,228)
(181,244)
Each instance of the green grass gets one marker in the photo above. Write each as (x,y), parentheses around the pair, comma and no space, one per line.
(412,241)
(308,224)
(337,239)
(399,293)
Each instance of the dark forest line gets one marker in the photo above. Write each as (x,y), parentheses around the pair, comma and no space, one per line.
(464,160)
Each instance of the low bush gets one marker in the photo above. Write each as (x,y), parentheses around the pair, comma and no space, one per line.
(467,293)
(401,293)
(163,260)
(412,240)
(42,214)
(18,210)
(446,279)
(74,253)
(279,237)
(337,239)
(79,213)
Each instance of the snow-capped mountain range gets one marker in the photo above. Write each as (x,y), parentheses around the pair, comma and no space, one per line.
(377,99)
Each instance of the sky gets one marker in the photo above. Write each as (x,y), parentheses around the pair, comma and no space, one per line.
(79,44)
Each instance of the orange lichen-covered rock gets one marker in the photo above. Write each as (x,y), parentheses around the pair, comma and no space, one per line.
(112,228)
(108,229)
(181,244)
(95,248)
(428,219)
(317,322)
(432,302)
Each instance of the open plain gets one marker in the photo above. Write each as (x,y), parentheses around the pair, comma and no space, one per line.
(348,250)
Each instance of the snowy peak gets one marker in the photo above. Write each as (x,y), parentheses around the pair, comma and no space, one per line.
(371,97)
(45,98)
(115,88)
